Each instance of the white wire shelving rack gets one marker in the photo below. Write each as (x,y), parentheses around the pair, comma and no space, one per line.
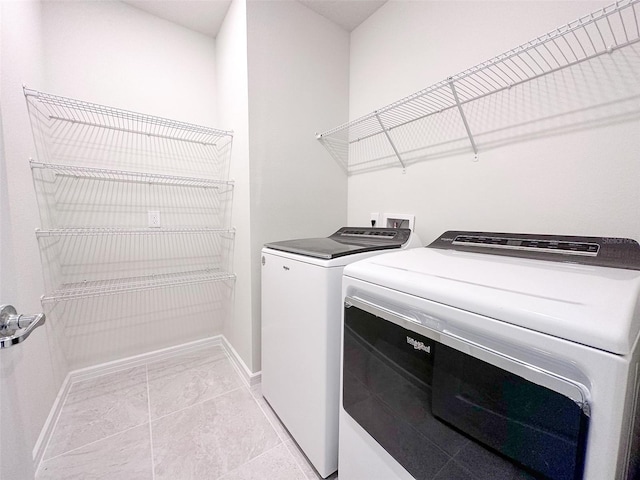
(387,136)
(101,173)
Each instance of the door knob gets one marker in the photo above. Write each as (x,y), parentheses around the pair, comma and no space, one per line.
(15,328)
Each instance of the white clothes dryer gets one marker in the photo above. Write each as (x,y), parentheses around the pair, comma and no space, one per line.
(493,356)
(301,312)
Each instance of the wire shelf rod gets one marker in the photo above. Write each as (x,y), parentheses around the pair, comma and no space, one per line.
(82,290)
(109,231)
(505,66)
(548,50)
(124,175)
(568,45)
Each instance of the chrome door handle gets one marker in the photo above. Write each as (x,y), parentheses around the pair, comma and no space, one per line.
(16,328)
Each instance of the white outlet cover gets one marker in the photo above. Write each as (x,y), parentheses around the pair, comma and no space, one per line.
(154,218)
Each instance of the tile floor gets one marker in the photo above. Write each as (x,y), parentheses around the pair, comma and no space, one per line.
(186,417)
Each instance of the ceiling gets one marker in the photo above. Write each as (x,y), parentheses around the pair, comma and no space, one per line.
(206,16)
(346,13)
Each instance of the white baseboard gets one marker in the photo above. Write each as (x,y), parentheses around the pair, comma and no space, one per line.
(247,376)
(137,360)
(50,423)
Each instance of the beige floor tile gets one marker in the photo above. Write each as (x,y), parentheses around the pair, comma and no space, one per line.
(304,463)
(126,455)
(207,424)
(209,439)
(100,407)
(281,430)
(277,463)
(180,382)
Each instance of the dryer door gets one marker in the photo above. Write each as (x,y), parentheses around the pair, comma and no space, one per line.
(448,408)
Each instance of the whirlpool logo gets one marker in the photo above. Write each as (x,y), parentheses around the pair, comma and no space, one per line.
(418,345)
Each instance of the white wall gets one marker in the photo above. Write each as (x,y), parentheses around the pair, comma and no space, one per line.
(113,54)
(110,53)
(298,85)
(30,373)
(233,112)
(578,178)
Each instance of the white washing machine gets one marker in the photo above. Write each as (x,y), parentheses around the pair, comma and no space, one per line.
(301,311)
(493,356)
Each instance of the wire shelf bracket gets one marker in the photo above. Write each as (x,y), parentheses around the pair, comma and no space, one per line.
(464,118)
(386,132)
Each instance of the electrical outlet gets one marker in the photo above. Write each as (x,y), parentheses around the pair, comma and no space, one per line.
(154,218)
(375,219)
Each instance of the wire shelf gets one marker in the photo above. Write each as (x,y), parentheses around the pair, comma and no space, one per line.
(73,132)
(74,256)
(393,134)
(71,196)
(65,109)
(88,289)
(129,176)
(94,232)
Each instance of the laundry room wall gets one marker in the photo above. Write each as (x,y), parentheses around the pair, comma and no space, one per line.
(567,174)
(116,55)
(298,85)
(233,108)
(30,373)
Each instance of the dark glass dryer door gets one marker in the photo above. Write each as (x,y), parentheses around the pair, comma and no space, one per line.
(449,409)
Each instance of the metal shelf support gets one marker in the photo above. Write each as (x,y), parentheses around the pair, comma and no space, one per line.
(393,146)
(464,118)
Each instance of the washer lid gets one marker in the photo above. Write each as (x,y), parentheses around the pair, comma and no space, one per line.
(346,241)
(591,305)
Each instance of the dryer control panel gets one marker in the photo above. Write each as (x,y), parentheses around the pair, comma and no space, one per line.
(600,251)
